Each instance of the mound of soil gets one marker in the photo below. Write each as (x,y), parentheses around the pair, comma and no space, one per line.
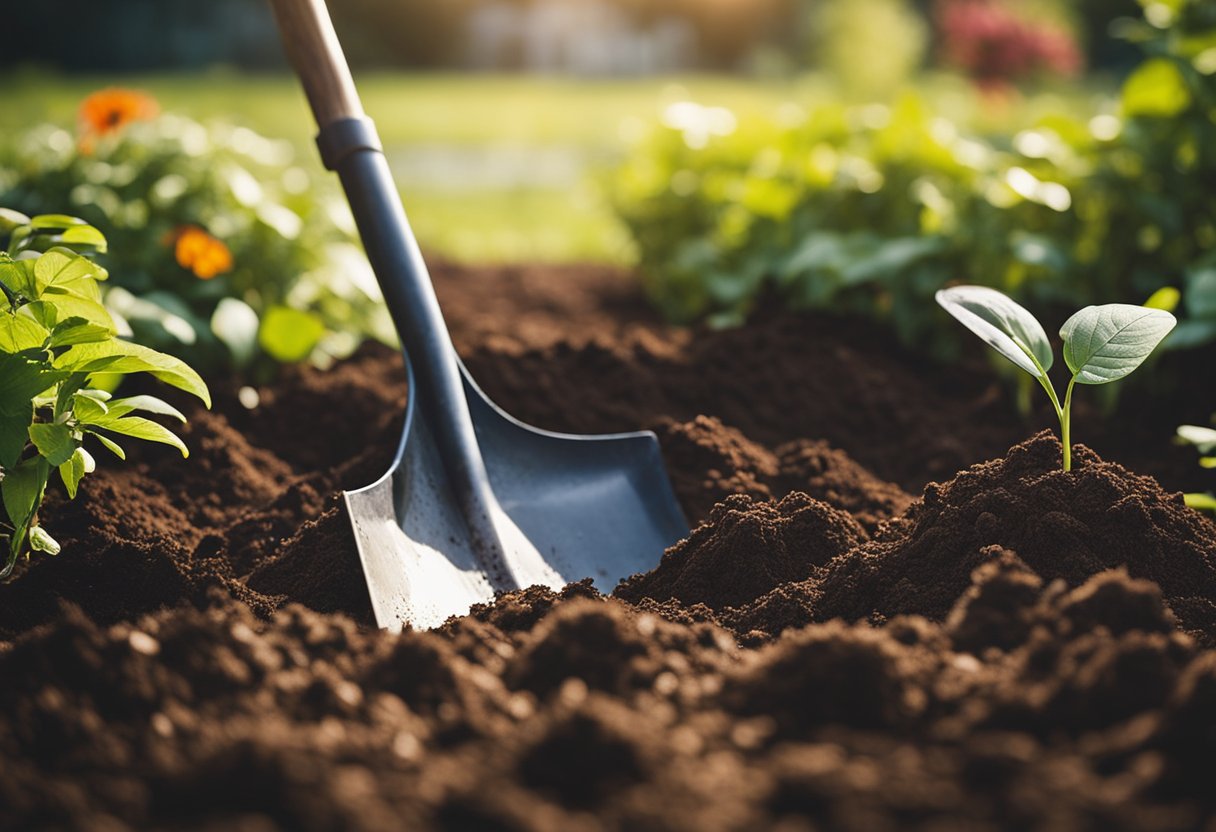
(1018,647)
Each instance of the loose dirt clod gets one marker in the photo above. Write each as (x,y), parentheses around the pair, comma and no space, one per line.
(1017,648)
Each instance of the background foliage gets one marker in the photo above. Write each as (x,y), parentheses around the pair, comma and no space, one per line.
(297,286)
(873,208)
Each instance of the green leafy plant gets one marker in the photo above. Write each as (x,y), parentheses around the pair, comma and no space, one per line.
(55,334)
(213,230)
(1101,343)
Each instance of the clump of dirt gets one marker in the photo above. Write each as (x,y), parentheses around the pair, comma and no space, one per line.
(1066,525)
(1018,648)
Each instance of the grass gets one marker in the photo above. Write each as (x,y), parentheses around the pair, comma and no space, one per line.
(485,209)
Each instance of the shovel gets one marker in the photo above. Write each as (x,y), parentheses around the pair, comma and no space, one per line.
(475,501)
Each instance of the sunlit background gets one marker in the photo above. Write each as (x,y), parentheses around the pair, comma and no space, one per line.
(507,120)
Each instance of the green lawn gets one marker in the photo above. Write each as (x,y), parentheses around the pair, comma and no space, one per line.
(492,168)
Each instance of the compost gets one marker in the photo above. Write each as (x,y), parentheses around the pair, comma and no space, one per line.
(894,610)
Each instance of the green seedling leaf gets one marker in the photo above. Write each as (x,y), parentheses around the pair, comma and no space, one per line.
(124,357)
(56,308)
(109,444)
(84,235)
(10,221)
(1001,323)
(41,541)
(75,469)
(1105,343)
(147,430)
(55,442)
(148,404)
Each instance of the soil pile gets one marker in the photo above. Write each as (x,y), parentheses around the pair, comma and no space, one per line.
(196,657)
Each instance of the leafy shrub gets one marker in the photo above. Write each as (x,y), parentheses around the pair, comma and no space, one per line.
(214,230)
(54,335)
(872,209)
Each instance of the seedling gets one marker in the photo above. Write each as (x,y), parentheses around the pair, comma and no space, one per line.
(55,334)
(1101,343)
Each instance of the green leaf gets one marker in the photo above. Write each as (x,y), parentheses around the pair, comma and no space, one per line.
(110,445)
(1157,89)
(22,380)
(55,308)
(21,332)
(21,491)
(79,331)
(289,335)
(124,357)
(64,269)
(41,541)
(18,276)
(55,442)
(147,430)
(1166,298)
(1002,324)
(55,222)
(11,220)
(1105,343)
(75,469)
(148,404)
(1201,502)
(84,235)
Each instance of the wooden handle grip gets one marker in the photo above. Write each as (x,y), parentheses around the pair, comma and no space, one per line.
(313,49)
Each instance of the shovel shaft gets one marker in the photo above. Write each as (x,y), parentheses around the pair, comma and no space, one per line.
(349,145)
(313,49)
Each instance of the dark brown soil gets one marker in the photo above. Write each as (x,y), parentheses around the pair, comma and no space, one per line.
(1017,647)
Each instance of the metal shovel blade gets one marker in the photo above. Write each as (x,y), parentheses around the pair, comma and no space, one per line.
(575,506)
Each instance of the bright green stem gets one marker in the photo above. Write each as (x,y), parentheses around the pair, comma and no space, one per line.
(1062,413)
(1066,424)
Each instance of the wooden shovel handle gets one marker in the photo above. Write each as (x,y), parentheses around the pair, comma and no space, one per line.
(313,49)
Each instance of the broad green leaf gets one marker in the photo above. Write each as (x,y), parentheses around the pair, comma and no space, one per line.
(289,335)
(55,442)
(146,429)
(84,235)
(20,332)
(236,325)
(64,269)
(22,380)
(18,276)
(110,445)
(79,331)
(1105,343)
(41,541)
(89,410)
(1157,89)
(21,491)
(148,404)
(55,222)
(11,220)
(124,357)
(75,469)
(55,308)
(14,435)
(1002,324)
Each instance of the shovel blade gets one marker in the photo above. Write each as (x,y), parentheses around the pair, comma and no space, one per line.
(578,507)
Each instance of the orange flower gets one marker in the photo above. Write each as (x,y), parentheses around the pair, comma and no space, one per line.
(201,253)
(109,110)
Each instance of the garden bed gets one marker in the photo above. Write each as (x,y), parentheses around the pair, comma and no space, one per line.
(1030,646)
